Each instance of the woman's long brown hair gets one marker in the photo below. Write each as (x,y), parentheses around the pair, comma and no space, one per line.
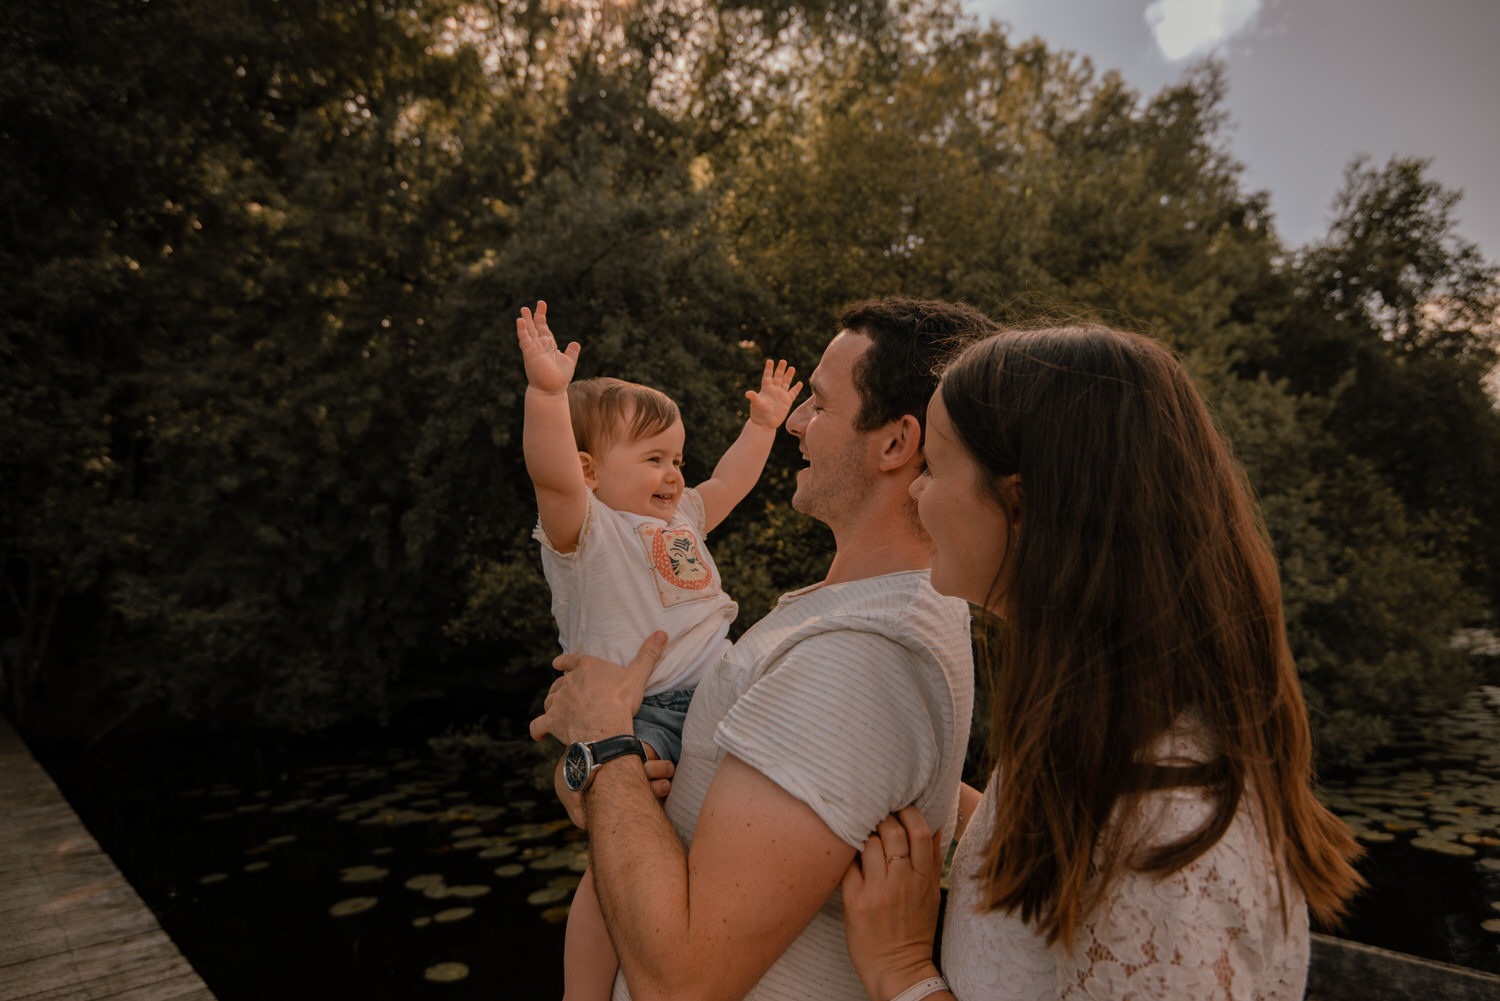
(1139,590)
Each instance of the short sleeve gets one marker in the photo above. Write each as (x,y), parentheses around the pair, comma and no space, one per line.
(590,517)
(690,510)
(840,722)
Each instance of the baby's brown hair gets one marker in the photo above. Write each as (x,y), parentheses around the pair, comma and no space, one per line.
(604,410)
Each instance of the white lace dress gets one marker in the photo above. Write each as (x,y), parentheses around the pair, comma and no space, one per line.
(1212,930)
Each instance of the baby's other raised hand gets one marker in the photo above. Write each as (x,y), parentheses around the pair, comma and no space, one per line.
(773,402)
(548,370)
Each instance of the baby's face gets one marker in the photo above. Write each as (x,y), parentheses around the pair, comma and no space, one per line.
(643,476)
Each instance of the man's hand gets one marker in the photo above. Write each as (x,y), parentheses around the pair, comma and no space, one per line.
(594,698)
(548,370)
(769,407)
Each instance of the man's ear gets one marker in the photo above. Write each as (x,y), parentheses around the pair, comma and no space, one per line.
(590,474)
(902,443)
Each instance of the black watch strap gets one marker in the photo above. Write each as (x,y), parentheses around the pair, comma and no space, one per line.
(613,747)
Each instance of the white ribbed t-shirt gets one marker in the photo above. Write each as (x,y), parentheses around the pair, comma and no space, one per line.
(855,698)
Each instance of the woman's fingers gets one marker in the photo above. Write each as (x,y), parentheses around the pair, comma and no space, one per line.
(894,841)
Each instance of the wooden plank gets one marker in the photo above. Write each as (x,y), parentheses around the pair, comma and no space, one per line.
(70,926)
(1342,970)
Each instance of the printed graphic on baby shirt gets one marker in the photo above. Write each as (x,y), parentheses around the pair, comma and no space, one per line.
(680,570)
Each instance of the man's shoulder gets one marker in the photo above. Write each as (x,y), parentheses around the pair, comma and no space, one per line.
(900,608)
(898,604)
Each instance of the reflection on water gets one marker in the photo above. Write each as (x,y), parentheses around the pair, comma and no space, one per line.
(1429,814)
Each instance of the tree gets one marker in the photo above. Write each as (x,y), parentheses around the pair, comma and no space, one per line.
(259,399)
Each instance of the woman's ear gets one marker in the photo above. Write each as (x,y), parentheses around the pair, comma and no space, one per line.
(1014,494)
(903,443)
(590,474)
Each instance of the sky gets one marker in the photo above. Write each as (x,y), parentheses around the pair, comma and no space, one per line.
(1312,84)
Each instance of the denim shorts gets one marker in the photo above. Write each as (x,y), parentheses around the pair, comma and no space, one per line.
(659,723)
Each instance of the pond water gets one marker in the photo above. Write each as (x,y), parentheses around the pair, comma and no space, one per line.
(399,873)
(392,874)
(1428,812)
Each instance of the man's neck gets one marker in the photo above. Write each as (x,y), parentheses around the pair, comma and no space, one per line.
(876,547)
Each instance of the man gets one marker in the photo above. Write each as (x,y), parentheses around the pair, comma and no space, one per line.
(848,701)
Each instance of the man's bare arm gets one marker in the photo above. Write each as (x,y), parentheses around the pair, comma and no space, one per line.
(706,925)
(702,926)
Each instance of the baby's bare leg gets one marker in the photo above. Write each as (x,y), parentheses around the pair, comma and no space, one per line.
(589,961)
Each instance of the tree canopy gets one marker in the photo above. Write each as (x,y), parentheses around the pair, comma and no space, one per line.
(259,406)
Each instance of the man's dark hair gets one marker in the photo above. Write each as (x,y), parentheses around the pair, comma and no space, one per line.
(910,341)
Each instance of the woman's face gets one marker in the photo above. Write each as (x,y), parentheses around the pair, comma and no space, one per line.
(970,531)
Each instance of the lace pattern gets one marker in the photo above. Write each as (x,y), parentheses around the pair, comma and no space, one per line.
(1214,929)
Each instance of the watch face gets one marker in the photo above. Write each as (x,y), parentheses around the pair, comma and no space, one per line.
(576,767)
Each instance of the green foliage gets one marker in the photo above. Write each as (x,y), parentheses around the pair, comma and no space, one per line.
(259,399)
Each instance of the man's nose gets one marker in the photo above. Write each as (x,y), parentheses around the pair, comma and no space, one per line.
(797,422)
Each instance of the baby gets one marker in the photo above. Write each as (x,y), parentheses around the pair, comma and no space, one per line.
(622,539)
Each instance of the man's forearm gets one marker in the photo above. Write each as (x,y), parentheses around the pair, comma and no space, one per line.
(640,875)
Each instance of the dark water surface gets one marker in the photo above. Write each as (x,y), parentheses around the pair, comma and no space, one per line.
(450,867)
(384,874)
(1427,811)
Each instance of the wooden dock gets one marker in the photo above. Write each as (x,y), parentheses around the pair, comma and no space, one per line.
(70,926)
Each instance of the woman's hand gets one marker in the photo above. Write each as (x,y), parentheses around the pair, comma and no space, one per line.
(891,900)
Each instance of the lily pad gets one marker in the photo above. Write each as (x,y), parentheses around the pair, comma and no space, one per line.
(547,895)
(468,843)
(452,914)
(1443,847)
(214,877)
(423,881)
(468,891)
(363,874)
(498,851)
(353,905)
(446,973)
(506,871)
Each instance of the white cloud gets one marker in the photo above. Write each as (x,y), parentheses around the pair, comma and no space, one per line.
(1186,28)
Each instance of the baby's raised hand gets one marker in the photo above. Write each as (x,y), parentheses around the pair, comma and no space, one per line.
(547,369)
(773,402)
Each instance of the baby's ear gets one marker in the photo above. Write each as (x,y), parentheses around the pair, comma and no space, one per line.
(590,475)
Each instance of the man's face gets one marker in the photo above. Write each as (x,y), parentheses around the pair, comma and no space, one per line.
(839,461)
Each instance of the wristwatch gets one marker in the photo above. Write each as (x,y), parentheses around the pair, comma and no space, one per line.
(584,759)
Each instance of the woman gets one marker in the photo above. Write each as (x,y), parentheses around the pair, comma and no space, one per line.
(1149,830)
